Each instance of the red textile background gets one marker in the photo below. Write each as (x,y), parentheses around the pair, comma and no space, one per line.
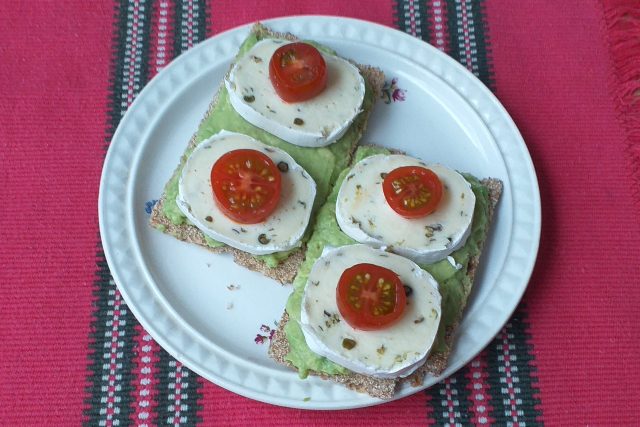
(583,299)
(553,72)
(54,76)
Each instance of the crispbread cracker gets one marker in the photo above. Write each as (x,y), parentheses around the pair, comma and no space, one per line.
(435,364)
(286,269)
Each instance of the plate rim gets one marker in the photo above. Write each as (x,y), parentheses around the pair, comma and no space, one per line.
(450,63)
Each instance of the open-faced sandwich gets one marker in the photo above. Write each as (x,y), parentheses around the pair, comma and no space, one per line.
(387,273)
(284,123)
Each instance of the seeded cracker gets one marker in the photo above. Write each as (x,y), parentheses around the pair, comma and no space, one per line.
(286,269)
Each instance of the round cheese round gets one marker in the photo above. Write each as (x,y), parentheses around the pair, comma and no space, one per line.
(316,122)
(364,215)
(281,231)
(395,351)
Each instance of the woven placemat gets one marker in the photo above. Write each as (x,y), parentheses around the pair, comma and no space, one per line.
(72,352)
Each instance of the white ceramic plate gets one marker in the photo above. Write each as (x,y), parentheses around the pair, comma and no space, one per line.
(179,292)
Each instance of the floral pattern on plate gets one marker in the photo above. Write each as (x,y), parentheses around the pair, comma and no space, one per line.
(392,93)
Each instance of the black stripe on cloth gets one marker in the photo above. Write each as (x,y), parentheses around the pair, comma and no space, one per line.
(109,398)
(485,66)
(450,400)
(178,393)
(453,30)
(203,20)
(411,17)
(512,386)
(468,16)
(109,392)
(190,24)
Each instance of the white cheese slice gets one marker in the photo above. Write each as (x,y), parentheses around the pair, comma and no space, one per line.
(281,231)
(316,122)
(396,351)
(363,213)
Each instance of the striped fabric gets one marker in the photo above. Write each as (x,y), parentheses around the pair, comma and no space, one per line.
(132,379)
(73,353)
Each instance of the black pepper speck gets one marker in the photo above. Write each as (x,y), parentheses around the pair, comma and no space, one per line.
(283,167)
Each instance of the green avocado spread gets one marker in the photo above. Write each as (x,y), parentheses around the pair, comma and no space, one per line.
(455,286)
(323,164)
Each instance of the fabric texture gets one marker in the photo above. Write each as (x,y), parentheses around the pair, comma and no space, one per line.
(73,353)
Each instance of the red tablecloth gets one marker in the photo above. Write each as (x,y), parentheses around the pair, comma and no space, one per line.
(567,71)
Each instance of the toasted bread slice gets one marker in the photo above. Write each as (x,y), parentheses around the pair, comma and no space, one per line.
(436,362)
(286,268)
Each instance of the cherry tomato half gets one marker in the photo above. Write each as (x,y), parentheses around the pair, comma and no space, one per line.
(246,185)
(370,297)
(412,191)
(298,72)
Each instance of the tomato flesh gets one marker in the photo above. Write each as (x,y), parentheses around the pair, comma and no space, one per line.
(297,72)
(370,297)
(412,191)
(246,185)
